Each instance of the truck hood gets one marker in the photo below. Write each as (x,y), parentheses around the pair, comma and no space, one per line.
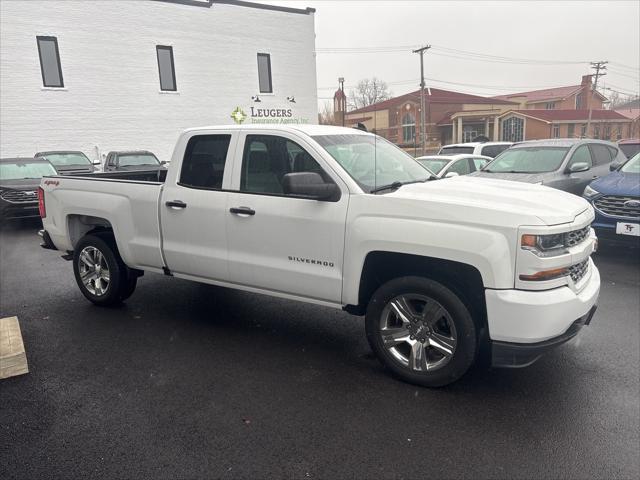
(496,201)
(618,183)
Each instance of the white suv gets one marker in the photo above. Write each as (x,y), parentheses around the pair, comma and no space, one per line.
(488,149)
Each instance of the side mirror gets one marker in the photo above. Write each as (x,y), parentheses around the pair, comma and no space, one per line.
(578,167)
(163,162)
(309,185)
(613,166)
(452,174)
(97,162)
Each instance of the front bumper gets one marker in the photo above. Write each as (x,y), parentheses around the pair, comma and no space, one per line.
(533,319)
(10,211)
(515,355)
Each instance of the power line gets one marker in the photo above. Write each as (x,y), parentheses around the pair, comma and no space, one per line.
(447,52)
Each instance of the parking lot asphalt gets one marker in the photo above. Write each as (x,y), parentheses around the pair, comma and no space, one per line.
(188,380)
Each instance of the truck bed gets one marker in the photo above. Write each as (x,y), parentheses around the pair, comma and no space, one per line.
(154,175)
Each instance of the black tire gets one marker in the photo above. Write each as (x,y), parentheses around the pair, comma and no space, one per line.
(456,321)
(119,287)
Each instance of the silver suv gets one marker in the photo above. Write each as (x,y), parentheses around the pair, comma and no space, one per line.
(566,164)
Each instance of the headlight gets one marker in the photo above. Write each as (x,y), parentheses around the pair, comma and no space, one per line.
(590,192)
(544,245)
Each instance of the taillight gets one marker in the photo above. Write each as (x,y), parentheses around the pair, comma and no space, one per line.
(41,208)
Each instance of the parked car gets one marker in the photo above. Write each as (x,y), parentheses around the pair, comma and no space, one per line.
(565,164)
(616,200)
(68,162)
(19,181)
(629,146)
(453,165)
(441,269)
(487,149)
(132,160)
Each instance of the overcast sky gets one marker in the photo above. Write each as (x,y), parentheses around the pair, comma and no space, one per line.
(556,31)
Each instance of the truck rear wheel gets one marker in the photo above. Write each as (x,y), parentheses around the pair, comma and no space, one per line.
(421,331)
(100,273)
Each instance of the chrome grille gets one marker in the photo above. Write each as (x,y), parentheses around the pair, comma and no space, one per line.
(579,270)
(575,237)
(619,206)
(19,196)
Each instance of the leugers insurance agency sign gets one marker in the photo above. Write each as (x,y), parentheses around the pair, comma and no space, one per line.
(266,115)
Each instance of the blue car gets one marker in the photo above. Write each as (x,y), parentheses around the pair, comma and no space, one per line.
(616,200)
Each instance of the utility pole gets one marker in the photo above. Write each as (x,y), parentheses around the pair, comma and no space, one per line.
(597,66)
(343,100)
(422,109)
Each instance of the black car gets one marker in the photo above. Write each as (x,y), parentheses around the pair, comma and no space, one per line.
(132,160)
(19,181)
(68,162)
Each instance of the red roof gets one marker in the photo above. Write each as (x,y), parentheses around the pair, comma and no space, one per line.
(542,95)
(432,95)
(631,113)
(566,115)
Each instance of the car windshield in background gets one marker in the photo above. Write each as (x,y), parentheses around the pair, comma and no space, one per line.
(455,150)
(629,149)
(433,164)
(372,161)
(632,166)
(127,160)
(528,160)
(22,170)
(64,159)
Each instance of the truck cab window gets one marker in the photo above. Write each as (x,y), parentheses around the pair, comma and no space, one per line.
(204,160)
(268,158)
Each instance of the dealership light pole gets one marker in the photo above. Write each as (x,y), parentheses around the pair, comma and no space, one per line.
(422,117)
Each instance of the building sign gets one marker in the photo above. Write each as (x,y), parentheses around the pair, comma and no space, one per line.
(267,115)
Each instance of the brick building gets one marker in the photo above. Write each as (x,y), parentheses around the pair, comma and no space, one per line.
(453,117)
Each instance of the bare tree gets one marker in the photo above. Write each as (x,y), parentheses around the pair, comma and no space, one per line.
(326,116)
(367,92)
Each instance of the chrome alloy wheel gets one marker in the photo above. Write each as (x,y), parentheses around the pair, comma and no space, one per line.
(94,271)
(418,332)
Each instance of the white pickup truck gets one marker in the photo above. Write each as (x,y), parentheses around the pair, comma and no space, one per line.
(442,269)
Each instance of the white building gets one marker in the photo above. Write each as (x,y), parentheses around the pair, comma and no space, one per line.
(105,75)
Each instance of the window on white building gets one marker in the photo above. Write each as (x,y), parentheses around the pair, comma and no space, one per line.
(50,62)
(166,68)
(264,73)
(408,128)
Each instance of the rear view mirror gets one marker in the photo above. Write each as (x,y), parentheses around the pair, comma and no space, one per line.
(578,167)
(309,185)
(452,174)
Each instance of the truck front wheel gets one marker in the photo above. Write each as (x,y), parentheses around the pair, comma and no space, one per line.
(421,331)
(100,273)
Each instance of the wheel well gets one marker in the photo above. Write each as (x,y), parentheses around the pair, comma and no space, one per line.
(465,280)
(81,225)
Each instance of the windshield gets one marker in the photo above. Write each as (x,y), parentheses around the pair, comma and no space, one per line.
(137,159)
(629,149)
(65,159)
(22,170)
(372,161)
(453,150)
(632,166)
(528,160)
(433,164)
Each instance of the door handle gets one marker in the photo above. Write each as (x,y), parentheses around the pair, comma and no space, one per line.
(242,211)
(176,204)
